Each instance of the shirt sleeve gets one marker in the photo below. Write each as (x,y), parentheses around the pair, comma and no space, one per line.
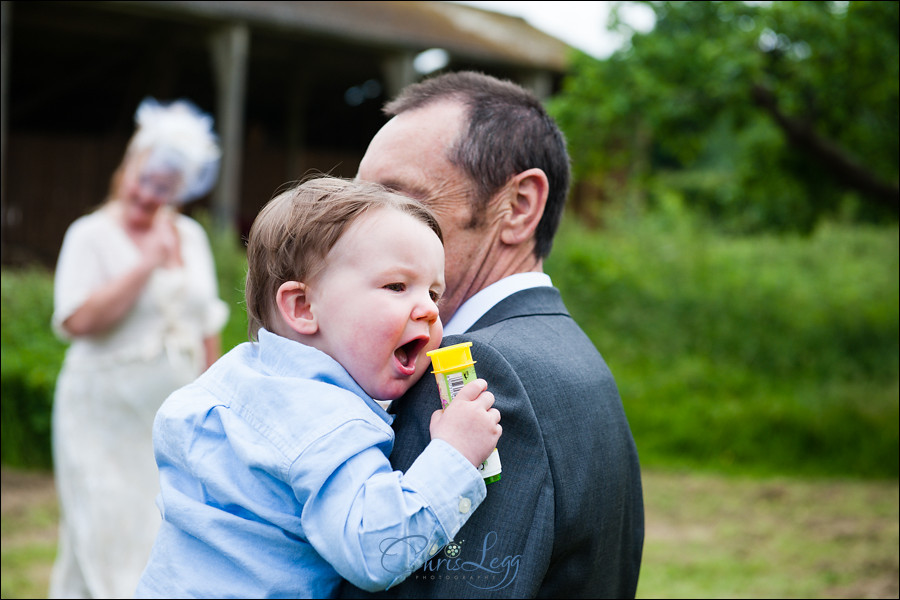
(376,526)
(506,545)
(78,273)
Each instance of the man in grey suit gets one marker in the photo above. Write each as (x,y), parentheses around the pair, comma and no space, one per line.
(566,519)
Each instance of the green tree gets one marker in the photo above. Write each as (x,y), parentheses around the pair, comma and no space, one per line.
(764,115)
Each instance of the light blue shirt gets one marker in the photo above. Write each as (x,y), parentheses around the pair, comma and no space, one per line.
(275,482)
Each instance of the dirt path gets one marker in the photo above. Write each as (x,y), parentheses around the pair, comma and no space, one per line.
(21,489)
(29,509)
(30,518)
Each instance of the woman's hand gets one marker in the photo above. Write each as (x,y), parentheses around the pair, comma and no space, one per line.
(160,244)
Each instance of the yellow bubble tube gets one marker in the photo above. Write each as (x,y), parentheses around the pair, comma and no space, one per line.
(453,368)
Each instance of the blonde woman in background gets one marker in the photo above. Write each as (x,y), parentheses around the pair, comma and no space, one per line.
(135,294)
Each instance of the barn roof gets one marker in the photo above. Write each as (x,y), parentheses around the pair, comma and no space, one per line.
(464,31)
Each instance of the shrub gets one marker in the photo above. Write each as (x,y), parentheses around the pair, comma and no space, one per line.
(766,353)
(32,355)
(31,359)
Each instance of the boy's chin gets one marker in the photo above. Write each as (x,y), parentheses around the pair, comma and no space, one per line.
(397,389)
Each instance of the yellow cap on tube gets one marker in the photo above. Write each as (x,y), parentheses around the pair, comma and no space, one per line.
(451,358)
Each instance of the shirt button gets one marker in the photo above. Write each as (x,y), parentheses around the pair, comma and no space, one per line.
(465,505)
(434,549)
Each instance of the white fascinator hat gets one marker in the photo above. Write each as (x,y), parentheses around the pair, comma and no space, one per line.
(178,138)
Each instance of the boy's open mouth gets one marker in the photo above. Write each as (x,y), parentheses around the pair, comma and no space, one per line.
(407,353)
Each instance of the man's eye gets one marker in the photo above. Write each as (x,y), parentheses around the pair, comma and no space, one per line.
(395,287)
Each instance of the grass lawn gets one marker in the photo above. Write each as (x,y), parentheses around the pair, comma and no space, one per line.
(708,536)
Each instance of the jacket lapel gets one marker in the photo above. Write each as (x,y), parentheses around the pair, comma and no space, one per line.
(542,300)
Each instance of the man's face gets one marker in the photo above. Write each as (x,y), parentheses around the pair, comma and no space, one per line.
(409,155)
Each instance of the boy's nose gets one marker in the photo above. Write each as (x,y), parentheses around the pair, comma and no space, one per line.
(425,310)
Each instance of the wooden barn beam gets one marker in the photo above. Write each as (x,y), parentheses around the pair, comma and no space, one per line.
(230,48)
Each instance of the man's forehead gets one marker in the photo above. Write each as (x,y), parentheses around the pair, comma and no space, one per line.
(394,177)
(437,124)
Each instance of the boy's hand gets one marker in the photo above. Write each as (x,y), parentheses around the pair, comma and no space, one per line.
(469,424)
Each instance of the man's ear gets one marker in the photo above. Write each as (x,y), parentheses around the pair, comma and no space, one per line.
(293,305)
(527,197)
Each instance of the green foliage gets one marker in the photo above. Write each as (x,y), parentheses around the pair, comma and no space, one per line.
(231,269)
(768,353)
(31,359)
(765,116)
(32,355)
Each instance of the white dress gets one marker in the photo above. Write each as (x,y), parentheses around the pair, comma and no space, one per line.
(107,395)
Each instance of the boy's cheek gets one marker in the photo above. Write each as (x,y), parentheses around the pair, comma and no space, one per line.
(423,362)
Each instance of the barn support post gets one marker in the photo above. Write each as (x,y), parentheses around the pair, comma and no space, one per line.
(229,47)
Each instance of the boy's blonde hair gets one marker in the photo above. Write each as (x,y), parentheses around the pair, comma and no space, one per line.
(294,232)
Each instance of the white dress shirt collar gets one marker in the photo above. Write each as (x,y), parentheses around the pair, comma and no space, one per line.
(475,307)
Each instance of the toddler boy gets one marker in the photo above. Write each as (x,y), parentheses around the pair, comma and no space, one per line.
(274,471)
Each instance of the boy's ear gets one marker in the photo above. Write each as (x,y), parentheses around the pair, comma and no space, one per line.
(527,198)
(293,306)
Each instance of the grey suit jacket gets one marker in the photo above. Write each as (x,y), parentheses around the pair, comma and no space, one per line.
(566,520)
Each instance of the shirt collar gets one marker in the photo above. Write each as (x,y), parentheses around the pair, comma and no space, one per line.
(288,358)
(475,307)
